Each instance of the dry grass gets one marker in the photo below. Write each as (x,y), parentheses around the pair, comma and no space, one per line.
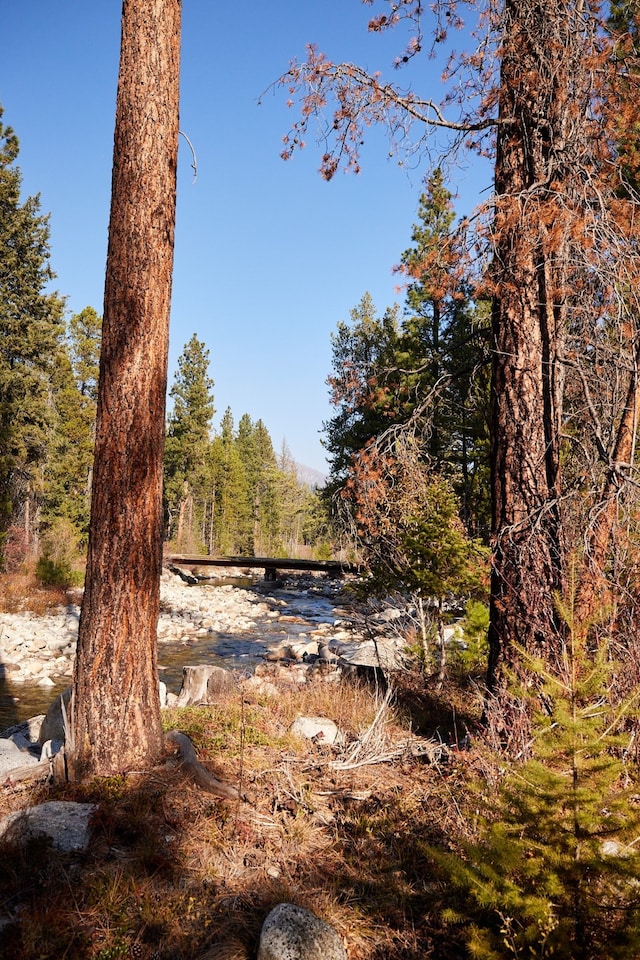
(173,873)
(22,593)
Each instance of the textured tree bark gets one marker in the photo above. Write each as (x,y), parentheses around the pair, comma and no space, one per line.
(541,99)
(116,718)
(593,587)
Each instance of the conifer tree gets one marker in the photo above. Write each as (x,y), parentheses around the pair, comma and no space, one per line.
(550,95)
(442,358)
(294,503)
(256,452)
(84,339)
(411,421)
(115,714)
(231,502)
(31,330)
(362,355)
(554,870)
(70,456)
(187,444)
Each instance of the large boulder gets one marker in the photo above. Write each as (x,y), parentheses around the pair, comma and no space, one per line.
(65,823)
(12,757)
(293,933)
(318,729)
(25,734)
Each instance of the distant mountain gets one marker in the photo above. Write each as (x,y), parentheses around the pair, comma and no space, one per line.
(310,477)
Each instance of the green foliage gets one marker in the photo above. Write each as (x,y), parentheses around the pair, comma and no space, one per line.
(554,870)
(216,730)
(323,551)
(473,651)
(59,564)
(362,357)
(31,330)
(226,492)
(231,504)
(262,504)
(186,462)
(425,380)
(67,490)
(440,560)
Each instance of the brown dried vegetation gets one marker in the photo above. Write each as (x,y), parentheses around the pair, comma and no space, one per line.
(172,872)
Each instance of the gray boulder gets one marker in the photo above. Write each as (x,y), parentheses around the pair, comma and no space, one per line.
(66,823)
(25,734)
(293,933)
(12,757)
(320,729)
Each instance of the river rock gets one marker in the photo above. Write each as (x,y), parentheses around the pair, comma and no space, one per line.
(39,650)
(320,729)
(12,757)
(385,654)
(53,724)
(25,734)
(66,823)
(293,933)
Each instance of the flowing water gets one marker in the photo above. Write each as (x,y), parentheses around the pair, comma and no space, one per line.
(304,611)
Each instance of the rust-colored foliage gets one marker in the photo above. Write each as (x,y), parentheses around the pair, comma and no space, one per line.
(550,93)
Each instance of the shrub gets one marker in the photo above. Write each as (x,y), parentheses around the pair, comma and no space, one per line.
(59,564)
(473,651)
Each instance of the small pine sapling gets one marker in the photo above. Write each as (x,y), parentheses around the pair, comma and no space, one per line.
(555,869)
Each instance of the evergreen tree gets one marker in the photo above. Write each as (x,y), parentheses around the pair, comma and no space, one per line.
(187,446)
(554,870)
(84,338)
(412,405)
(550,95)
(70,458)
(31,329)
(362,355)
(231,501)
(256,452)
(116,710)
(295,503)
(442,356)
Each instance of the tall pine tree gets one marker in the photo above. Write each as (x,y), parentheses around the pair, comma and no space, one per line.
(187,445)
(31,328)
(69,467)
(231,501)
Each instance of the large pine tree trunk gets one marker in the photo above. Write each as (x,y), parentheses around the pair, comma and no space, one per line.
(541,115)
(117,714)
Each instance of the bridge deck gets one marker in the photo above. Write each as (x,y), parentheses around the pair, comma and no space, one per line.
(270,565)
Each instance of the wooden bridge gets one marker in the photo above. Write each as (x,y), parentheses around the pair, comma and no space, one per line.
(270,565)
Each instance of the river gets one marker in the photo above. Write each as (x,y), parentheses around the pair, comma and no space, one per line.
(249,619)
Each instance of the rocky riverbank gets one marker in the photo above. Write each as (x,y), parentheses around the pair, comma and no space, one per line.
(298,620)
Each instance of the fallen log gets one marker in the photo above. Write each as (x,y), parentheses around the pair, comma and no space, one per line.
(31,771)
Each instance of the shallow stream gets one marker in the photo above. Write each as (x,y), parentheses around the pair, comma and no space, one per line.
(302,611)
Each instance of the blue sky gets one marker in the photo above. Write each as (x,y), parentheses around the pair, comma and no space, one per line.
(269,257)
